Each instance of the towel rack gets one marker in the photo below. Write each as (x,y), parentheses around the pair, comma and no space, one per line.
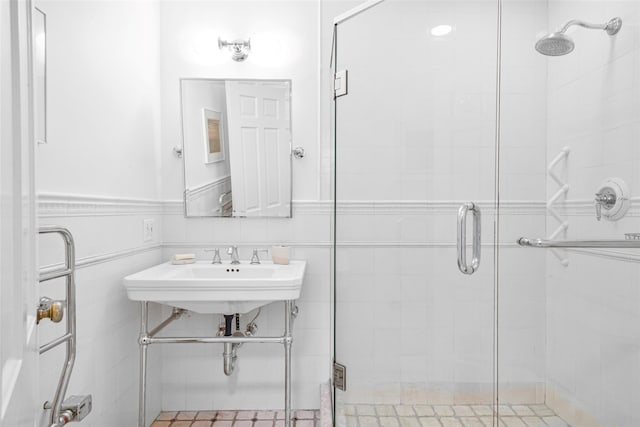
(74,408)
(541,243)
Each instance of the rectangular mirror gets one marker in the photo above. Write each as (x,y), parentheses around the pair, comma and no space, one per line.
(236,145)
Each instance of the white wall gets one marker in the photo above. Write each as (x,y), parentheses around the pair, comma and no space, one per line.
(593,313)
(103,100)
(189,49)
(99,176)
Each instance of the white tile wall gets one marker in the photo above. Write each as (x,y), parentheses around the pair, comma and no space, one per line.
(107,322)
(592,311)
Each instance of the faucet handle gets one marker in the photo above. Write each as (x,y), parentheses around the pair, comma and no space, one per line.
(233,252)
(254,258)
(605,198)
(216,255)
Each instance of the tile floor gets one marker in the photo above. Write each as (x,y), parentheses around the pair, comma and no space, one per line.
(308,418)
(447,416)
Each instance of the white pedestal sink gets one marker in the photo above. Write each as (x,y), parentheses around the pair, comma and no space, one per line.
(216,288)
(203,287)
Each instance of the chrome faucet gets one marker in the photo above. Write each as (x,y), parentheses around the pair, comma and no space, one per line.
(255,259)
(233,252)
(216,256)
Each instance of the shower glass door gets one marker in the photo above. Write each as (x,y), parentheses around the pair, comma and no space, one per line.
(415,139)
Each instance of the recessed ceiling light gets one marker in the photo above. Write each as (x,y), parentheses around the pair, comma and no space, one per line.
(441,30)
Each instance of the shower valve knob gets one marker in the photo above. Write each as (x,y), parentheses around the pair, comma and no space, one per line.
(612,199)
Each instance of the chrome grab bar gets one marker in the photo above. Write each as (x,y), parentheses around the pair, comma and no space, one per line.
(541,243)
(462,238)
(61,411)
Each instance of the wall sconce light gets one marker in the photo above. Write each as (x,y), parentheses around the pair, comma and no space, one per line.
(239,48)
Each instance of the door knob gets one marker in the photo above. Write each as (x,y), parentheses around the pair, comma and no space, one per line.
(48,308)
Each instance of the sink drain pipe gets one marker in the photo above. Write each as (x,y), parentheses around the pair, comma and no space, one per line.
(230,352)
(229,355)
(229,358)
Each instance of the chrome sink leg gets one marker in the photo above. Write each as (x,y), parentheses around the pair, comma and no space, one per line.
(289,307)
(144,344)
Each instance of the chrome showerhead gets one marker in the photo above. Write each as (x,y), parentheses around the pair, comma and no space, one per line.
(555,44)
(558,43)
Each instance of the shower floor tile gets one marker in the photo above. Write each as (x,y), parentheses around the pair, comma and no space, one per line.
(244,418)
(447,416)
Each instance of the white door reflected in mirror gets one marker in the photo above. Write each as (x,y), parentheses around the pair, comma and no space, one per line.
(244,129)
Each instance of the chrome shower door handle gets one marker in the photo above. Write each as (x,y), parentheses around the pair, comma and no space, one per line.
(462,238)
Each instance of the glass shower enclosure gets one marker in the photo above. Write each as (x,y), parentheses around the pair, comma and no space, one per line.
(455,139)
(415,175)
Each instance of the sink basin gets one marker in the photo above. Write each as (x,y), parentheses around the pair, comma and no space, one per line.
(217,288)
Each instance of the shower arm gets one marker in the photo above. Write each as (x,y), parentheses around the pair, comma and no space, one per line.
(611,27)
(583,24)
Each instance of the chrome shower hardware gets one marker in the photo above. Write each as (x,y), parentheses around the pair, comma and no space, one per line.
(462,238)
(576,244)
(605,199)
(558,43)
(612,200)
